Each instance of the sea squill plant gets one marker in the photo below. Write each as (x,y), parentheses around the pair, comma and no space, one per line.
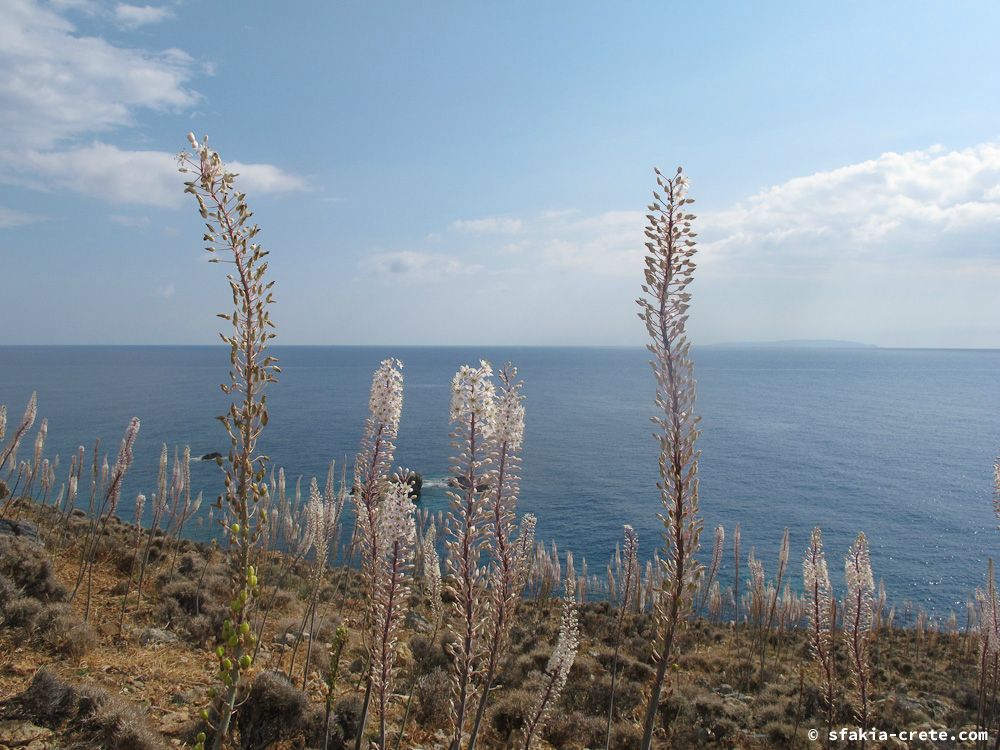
(38,466)
(105,511)
(988,630)
(858,615)
(27,421)
(8,450)
(736,583)
(371,480)
(330,679)
(663,307)
(398,535)
(630,574)
(140,504)
(322,518)
(431,578)
(159,509)
(505,439)
(432,574)
(819,601)
(230,233)
(557,670)
(713,569)
(473,415)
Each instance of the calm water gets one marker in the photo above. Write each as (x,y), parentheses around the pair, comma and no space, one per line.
(898,443)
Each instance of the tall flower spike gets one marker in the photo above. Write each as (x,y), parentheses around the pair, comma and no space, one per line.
(30,413)
(819,602)
(525,549)
(398,534)
(996,486)
(663,308)
(432,573)
(231,232)
(557,670)
(122,464)
(385,404)
(473,412)
(858,615)
(501,509)
(629,575)
(713,568)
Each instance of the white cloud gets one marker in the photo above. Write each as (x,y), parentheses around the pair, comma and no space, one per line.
(11,218)
(133,16)
(488,225)
(167,291)
(56,84)
(148,178)
(266,178)
(908,208)
(903,249)
(412,265)
(905,205)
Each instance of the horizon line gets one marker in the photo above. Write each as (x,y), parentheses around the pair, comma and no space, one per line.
(788,344)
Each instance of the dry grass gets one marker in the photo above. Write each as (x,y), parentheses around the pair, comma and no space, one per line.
(717,697)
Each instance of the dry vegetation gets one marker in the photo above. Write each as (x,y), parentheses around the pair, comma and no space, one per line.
(72,681)
(409,630)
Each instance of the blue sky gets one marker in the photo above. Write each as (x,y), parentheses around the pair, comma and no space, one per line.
(461,173)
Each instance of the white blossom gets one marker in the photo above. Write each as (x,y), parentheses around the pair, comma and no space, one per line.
(473,396)
(509,419)
(385,404)
(396,524)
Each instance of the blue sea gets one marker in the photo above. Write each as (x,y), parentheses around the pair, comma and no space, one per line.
(896,443)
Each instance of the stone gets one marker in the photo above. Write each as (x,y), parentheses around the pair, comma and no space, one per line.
(173,723)
(153,636)
(416,621)
(19,528)
(24,734)
(184,697)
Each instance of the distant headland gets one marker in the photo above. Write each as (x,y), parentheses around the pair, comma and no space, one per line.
(792,344)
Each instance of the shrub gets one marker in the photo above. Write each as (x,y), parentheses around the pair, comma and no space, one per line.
(26,564)
(626,736)
(66,633)
(433,694)
(509,714)
(93,716)
(273,710)
(574,730)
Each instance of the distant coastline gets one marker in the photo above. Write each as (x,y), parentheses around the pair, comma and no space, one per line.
(792,344)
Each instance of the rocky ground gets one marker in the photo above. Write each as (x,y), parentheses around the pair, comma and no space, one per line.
(73,679)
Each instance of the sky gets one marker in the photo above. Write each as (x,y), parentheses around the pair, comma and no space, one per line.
(477,173)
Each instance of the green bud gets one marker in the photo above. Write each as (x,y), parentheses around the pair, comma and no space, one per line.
(245,661)
(204,714)
(236,528)
(245,628)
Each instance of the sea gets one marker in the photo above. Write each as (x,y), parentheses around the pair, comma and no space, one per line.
(897,443)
